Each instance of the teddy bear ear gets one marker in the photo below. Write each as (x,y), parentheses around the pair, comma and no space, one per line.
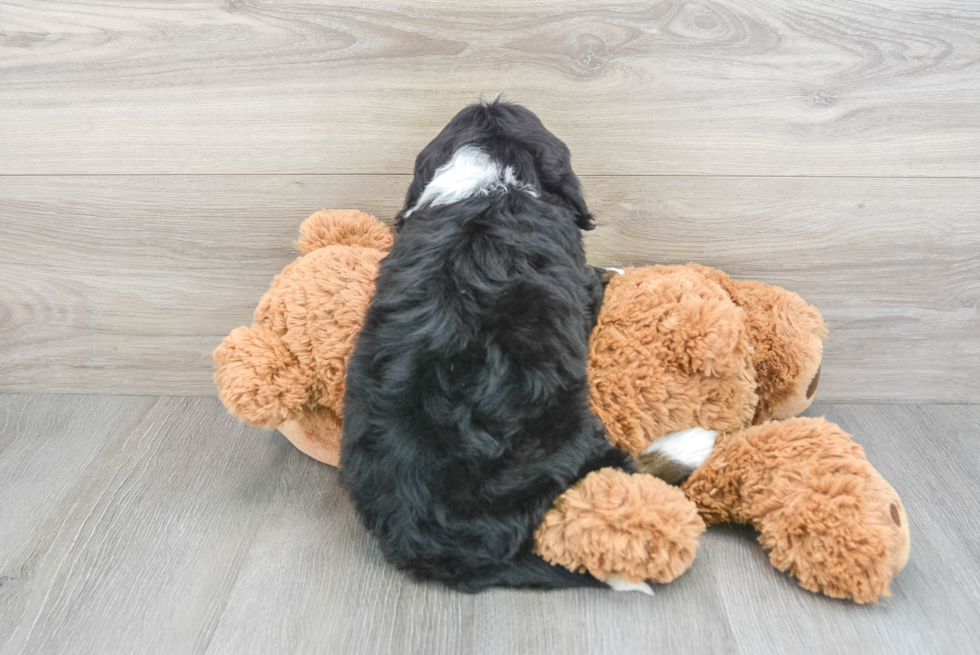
(259,379)
(342,227)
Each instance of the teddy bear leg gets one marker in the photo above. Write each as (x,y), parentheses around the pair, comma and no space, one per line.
(824,513)
(623,528)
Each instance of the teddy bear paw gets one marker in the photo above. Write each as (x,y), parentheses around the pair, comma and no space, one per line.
(826,515)
(629,526)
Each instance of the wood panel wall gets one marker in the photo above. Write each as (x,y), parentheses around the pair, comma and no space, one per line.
(157,157)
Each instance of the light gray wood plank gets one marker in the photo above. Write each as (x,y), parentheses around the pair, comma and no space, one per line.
(125,284)
(770,614)
(250,86)
(315,582)
(166,526)
(46,443)
(892,264)
(139,547)
(685,616)
(146,273)
(732,600)
(48,446)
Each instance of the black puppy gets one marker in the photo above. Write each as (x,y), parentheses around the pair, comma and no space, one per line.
(467,411)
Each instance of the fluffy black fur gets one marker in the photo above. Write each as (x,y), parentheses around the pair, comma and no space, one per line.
(466,411)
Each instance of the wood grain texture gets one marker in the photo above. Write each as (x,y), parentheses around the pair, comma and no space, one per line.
(769,87)
(929,455)
(163,525)
(153,507)
(125,284)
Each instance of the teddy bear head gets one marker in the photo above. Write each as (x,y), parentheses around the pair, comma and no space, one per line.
(787,344)
(682,346)
(287,370)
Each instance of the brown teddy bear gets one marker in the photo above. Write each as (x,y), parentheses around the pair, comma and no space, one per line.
(681,347)
(680,355)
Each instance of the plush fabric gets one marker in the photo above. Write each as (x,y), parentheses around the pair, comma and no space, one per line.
(616,523)
(677,347)
(670,351)
(825,514)
(787,342)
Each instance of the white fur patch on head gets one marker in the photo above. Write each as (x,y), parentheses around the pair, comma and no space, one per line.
(617,583)
(469,172)
(688,447)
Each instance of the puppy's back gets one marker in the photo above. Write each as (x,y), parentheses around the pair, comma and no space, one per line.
(466,409)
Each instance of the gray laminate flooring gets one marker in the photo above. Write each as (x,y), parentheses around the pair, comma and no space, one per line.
(162,525)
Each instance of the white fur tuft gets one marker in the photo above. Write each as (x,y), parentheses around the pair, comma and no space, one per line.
(689,447)
(617,583)
(469,172)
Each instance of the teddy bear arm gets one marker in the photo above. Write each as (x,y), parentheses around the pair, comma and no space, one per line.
(258,377)
(614,524)
(716,486)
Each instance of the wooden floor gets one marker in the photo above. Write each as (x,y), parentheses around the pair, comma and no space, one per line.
(160,524)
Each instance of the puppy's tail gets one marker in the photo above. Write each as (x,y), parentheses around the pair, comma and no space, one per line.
(675,456)
(528,571)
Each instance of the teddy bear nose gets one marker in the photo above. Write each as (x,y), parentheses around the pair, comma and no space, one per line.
(812,389)
(896,517)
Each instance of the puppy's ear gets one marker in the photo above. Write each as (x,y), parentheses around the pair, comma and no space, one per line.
(572,192)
